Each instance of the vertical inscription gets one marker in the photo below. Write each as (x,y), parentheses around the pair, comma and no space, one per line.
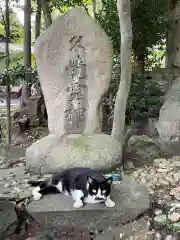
(76,70)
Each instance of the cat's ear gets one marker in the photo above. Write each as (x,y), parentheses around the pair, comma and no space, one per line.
(109,180)
(90,180)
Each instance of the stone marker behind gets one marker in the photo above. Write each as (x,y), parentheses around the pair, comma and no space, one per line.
(74,59)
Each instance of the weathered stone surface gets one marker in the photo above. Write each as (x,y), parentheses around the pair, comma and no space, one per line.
(11,154)
(128,231)
(32,109)
(57,210)
(14,183)
(3,152)
(162,76)
(74,60)
(169,117)
(7,217)
(139,140)
(51,153)
(145,147)
(170,148)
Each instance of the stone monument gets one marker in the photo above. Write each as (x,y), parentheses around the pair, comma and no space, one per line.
(74,59)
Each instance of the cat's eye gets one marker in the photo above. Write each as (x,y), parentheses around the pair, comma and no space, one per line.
(104,191)
(94,191)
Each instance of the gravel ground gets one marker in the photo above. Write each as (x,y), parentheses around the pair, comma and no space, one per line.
(162,179)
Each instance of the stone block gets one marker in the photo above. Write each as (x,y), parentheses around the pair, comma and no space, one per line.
(52,153)
(74,61)
(7,218)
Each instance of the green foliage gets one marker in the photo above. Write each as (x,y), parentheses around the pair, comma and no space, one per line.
(155,57)
(145,99)
(149,26)
(64,5)
(16,58)
(149,29)
(2,29)
(148,23)
(109,20)
(16,29)
(17,74)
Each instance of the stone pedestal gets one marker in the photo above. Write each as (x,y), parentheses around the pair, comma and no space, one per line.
(74,59)
(52,153)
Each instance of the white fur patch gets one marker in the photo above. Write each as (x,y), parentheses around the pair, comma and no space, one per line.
(99,195)
(36,195)
(77,195)
(59,187)
(92,200)
(66,193)
(78,204)
(109,203)
(104,191)
(87,186)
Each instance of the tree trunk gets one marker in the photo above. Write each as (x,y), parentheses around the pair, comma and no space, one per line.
(124,12)
(46,13)
(171,32)
(94,9)
(172,41)
(38,19)
(8,89)
(27,39)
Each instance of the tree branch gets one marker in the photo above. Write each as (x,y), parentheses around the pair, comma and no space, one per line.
(3,17)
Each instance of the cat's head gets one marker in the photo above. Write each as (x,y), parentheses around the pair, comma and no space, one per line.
(99,190)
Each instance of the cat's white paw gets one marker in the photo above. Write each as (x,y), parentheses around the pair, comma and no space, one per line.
(37,196)
(109,203)
(78,204)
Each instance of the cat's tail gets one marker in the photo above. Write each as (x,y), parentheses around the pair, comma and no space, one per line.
(34,183)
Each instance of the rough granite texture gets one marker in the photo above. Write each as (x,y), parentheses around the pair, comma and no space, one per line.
(7,217)
(57,210)
(168,124)
(71,38)
(99,151)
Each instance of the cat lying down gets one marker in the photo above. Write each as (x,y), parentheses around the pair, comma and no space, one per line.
(85,185)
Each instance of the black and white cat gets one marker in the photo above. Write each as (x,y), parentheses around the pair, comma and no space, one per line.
(85,185)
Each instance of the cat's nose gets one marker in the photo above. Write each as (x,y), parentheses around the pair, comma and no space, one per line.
(98,198)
